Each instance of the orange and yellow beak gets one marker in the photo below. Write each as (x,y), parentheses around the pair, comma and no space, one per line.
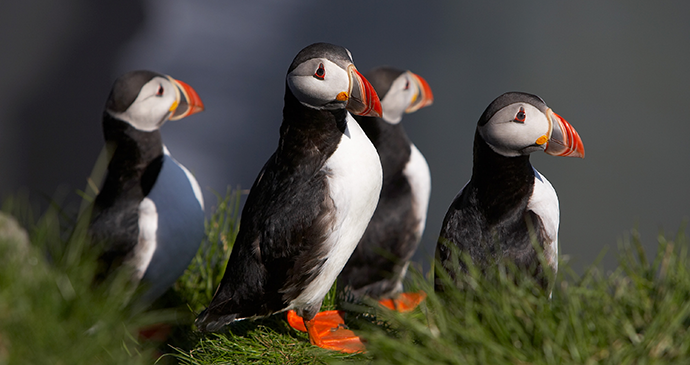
(187,101)
(362,98)
(563,139)
(423,97)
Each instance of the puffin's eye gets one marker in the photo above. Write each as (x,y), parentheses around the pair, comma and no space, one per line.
(160,90)
(320,72)
(407,85)
(520,116)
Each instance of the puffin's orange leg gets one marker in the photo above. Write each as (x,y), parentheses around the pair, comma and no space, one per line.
(296,321)
(327,330)
(405,302)
(326,319)
(337,338)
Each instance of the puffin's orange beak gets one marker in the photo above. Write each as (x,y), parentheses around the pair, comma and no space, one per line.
(423,97)
(564,140)
(362,99)
(188,101)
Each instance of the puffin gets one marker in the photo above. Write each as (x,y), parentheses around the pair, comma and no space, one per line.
(507,206)
(148,215)
(378,265)
(309,205)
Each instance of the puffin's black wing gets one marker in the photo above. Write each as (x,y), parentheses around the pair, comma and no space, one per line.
(117,244)
(277,251)
(466,230)
(458,231)
(115,222)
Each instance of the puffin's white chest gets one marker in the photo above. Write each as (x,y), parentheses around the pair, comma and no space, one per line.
(418,175)
(544,203)
(354,178)
(171,227)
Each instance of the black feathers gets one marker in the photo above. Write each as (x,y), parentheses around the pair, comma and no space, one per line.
(489,220)
(381,78)
(287,215)
(126,88)
(339,55)
(132,172)
(510,98)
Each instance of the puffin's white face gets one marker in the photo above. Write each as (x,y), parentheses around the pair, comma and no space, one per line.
(517,129)
(407,94)
(319,83)
(322,76)
(401,93)
(156,102)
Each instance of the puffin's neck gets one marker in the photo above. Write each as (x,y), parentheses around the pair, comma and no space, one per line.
(500,182)
(136,160)
(391,142)
(308,133)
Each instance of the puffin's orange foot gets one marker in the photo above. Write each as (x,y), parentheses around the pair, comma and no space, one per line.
(338,338)
(322,320)
(405,302)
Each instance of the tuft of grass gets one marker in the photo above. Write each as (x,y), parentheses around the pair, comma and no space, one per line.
(639,313)
(266,341)
(50,313)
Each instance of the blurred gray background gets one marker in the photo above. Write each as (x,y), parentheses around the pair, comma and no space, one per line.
(618,71)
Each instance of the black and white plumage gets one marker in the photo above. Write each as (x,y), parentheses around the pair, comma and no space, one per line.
(312,200)
(507,204)
(379,263)
(149,213)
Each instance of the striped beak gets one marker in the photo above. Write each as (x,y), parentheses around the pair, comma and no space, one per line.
(362,98)
(563,140)
(423,97)
(188,101)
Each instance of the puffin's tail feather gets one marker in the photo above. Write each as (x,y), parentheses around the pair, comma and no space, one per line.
(211,322)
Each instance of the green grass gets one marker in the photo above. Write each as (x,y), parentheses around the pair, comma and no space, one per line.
(264,341)
(638,313)
(49,311)
(198,283)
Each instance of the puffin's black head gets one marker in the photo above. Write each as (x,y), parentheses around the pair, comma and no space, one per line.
(517,123)
(400,92)
(322,76)
(146,99)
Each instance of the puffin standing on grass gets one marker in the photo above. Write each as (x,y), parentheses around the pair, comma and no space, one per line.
(149,213)
(310,204)
(507,204)
(378,265)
